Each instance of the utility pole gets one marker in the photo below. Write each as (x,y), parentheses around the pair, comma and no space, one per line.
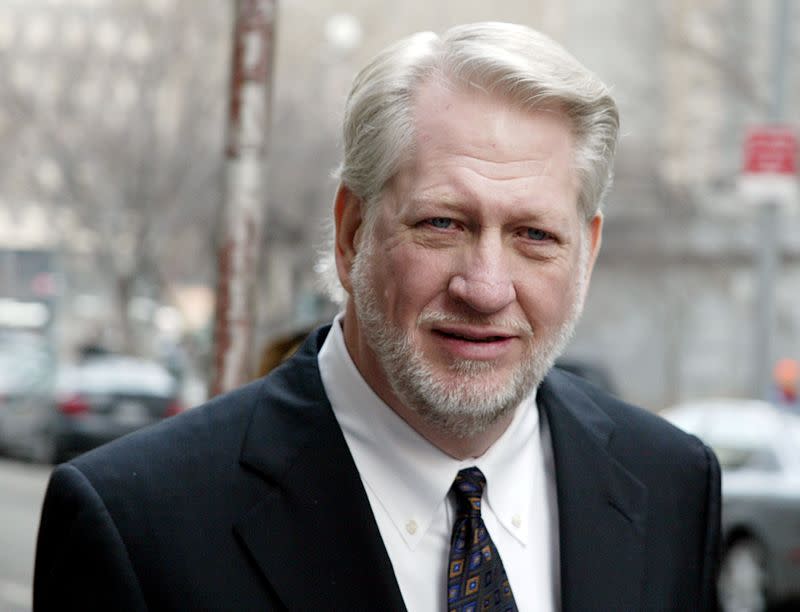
(768,222)
(242,212)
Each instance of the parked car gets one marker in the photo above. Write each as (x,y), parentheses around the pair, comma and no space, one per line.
(758,447)
(75,408)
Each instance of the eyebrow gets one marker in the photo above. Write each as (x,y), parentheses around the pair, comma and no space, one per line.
(460,204)
(446,200)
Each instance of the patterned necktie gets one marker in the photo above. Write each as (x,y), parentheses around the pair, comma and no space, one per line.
(476,579)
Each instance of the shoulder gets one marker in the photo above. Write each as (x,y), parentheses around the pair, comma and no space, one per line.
(216,424)
(201,449)
(185,451)
(637,437)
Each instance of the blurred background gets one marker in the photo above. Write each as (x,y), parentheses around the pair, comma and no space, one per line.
(112,182)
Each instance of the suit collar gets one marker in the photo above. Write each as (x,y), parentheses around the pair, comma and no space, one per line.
(601,506)
(313,534)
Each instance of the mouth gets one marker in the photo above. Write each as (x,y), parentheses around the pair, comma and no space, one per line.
(468,337)
(474,343)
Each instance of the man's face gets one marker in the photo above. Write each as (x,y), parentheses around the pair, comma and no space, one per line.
(469,280)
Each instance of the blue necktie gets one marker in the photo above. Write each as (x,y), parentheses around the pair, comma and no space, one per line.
(476,578)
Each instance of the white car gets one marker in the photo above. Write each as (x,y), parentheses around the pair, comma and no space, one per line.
(758,447)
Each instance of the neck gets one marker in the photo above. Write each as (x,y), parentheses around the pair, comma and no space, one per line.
(458,447)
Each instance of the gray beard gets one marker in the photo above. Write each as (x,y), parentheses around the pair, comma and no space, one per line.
(465,404)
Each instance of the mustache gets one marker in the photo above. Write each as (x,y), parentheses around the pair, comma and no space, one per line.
(514,325)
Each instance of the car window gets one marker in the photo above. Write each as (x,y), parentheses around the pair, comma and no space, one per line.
(24,373)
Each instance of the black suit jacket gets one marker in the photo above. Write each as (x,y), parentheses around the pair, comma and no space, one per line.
(253,502)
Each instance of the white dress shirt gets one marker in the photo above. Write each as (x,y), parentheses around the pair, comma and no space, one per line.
(407,481)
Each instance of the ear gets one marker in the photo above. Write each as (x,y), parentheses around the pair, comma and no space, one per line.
(595,237)
(347,215)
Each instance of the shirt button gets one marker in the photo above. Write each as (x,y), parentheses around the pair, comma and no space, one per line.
(516,521)
(411,527)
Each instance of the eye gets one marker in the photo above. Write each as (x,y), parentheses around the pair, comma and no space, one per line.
(440,222)
(537,234)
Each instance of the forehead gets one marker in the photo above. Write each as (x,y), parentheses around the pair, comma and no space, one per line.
(470,142)
(455,114)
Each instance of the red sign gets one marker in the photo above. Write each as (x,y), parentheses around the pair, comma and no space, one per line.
(770,150)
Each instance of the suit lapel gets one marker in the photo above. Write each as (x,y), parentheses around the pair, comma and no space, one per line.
(313,535)
(601,506)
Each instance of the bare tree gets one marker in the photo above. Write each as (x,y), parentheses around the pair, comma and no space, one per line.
(137,136)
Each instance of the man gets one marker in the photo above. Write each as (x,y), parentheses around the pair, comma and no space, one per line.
(417,454)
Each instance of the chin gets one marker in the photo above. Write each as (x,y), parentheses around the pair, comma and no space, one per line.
(464,399)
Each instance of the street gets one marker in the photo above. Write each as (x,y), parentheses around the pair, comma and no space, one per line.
(22,488)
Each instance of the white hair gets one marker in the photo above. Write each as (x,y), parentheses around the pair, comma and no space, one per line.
(512,61)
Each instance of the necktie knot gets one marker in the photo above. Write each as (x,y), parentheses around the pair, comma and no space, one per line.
(468,488)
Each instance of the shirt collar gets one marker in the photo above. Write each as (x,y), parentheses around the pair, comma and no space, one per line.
(408,475)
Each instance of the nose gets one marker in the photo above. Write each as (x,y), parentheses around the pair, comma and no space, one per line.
(484,281)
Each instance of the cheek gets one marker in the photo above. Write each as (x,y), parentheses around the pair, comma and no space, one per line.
(546,296)
(413,279)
